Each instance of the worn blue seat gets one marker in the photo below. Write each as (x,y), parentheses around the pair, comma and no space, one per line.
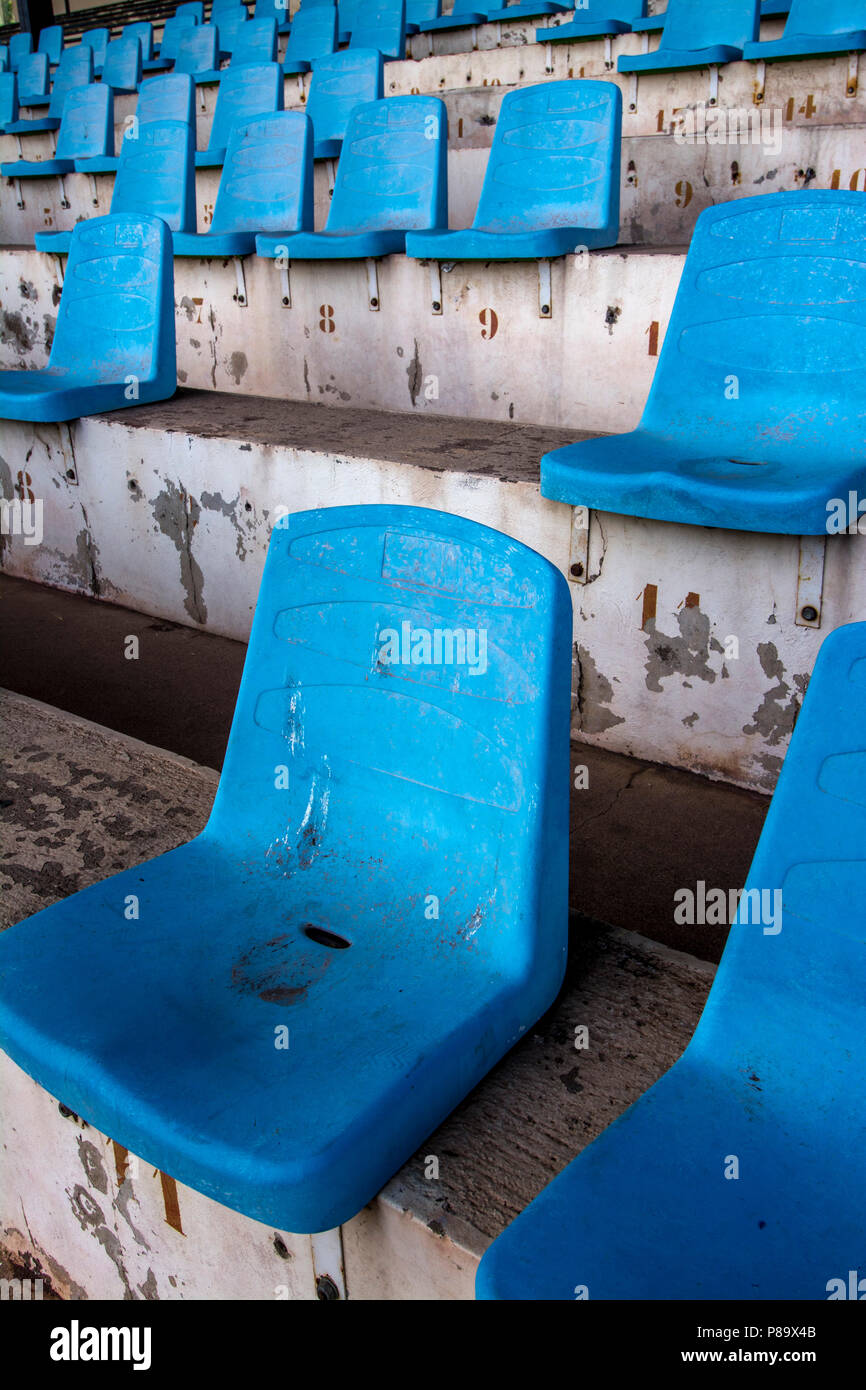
(20,47)
(278,11)
(122,67)
(97,41)
(596,19)
(419,10)
(256,43)
(523,9)
(86,134)
(266,186)
(815,27)
(381,24)
(698,35)
(194,10)
(754,418)
(465,14)
(244,92)
(74,70)
(8,100)
(552,178)
(173,31)
(143,31)
(391,178)
(34,88)
(773,1077)
(198,53)
(51,43)
(400,903)
(113,341)
(313,35)
(338,84)
(155,176)
(230,22)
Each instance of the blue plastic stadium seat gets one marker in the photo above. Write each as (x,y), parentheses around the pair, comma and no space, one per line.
(277,10)
(198,53)
(381,24)
(8,100)
(595,19)
(219,7)
(256,43)
(173,32)
(143,31)
(523,9)
(773,1075)
(391,178)
(266,186)
(97,41)
(464,15)
(122,67)
(244,92)
(310,907)
(86,134)
(168,97)
(754,418)
(51,43)
(816,27)
(417,11)
(155,175)
(552,178)
(697,35)
(340,83)
(20,47)
(230,23)
(33,85)
(347,11)
(114,338)
(313,35)
(193,10)
(75,70)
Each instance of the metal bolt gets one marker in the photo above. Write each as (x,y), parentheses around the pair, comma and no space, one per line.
(326,1289)
(809,614)
(545,308)
(577,570)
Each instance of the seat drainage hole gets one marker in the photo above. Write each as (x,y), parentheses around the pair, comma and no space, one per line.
(326,938)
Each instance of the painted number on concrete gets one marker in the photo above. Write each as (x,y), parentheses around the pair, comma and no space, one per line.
(683,190)
(326,322)
(856,183)
(489,323)
(25,486)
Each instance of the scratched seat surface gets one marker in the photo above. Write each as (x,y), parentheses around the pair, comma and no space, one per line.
(86,134)
(122,67)
(383,875)
(595,19)
(552,178)
(113,343)
(381,24)
(773,1077)
(155,175)
(696,35)
(754,417)
(814,27)
(247,91)
(392,176)
(256,42)
(465,14)
(339,83)
(313,35)
(198,53)
(266,185)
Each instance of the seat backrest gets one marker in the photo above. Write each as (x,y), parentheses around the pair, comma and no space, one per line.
(32,78)
(230,23)
(825,17)
(419,11)
(51,43)
(156,173)
(787,1002)
(392,173)
(339,83)
(198,50)
(122,66)
(689,25)
(381,25)
(771,299)
(97,40)
(313,34)
(256,42)
(192,10)
(267,178)
(116,312)
(555,159)
(75,70)
(8,98)
(20,47)
(174,30)
(143,31)
(87,126)
(244,92)
(170,97)
(412,671)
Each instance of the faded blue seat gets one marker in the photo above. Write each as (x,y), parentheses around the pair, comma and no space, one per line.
(244,92)
(75,70)
(230,22)
(347,11)
(122,67)
(155,176)
(338,84)
(523,9)
(256,43)
(392,177)
(198,53)
(815,27)
(194,10)
(772,1079)
(596,19)
(4,58)
(464,15)
(8,100)
(381,24)
(400,908)
(313,35)
(33,87)
(51,43)
(277,10)
(169,97)
(143,31)
(698,35)
(114,338)
(552,178)
(266,186)
(417,11)
(20,47)
(97,41)
(754,418)
(173,31)
(86,134)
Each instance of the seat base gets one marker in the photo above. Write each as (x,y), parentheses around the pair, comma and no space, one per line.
(213,244)
(327,149)
(99,164)
(37,169)
(579,30)
(805,46)
(58,243)
(524,11)
(331,246)
(32,127)
(473,244)
(295,66)
(673,60)
(50,396)
(463,21)
(210,159)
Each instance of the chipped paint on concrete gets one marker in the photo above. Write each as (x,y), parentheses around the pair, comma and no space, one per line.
(775,716)
(177,514)
(238,365)
(686,655)
(594,694)
(415,373)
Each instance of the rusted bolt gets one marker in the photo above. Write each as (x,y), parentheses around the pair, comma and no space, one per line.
(576,570)
(436,306)
(374,303)
(809,614)
(70,473)
(281,1248)
(132,485)
(545,309)
(285,299)
(326,1289)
